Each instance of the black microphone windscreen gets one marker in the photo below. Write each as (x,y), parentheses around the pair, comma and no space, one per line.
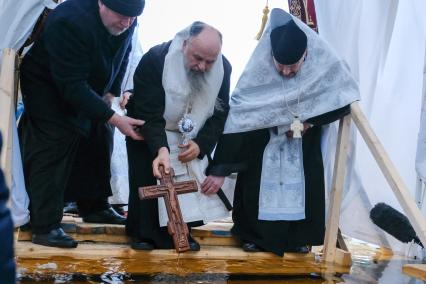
(393,222)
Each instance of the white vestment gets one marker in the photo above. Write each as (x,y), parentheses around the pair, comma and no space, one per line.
(264,99)
(195,206)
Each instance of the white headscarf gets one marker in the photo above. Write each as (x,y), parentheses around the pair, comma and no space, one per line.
(324,83)
(177,87)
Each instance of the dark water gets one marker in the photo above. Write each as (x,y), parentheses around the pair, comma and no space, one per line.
(363,270)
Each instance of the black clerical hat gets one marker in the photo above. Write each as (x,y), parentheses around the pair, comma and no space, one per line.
(288,43)
(130,8)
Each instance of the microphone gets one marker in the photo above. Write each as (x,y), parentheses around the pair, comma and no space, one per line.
(394,223)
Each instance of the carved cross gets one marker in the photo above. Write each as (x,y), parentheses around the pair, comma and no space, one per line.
(168,189)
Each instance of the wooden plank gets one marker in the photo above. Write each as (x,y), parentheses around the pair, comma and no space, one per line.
(101,250)
(343,258)
(391,174)
(415,270)
(7,88)
(114,239)
(217,241)
(341,244)
(336,190)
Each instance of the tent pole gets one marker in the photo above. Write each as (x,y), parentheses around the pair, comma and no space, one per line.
(339,171)
(390,172)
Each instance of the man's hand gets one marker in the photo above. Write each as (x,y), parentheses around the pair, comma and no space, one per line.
(124,99)
(108,98)
(162,159)
(212,184)
(192,150)
(127,125)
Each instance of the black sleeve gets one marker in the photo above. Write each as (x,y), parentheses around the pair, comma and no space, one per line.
(229,155)
(116,86)
(70,67)
(330,117)
(208,136)
(148,102)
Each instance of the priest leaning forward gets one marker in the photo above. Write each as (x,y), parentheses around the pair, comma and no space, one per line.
(80,57)
(181,91)
(292,77)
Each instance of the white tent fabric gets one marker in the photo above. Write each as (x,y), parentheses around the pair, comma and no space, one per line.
(384,43)
(17,19)
(421,143)
(119,169)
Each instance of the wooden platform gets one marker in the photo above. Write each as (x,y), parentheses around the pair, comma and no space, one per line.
(216,234)
(89,258)
(104,248)
(415,270)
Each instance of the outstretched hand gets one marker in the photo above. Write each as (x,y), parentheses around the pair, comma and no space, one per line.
(212,184)
(124,99)
(162,159)
(127,125)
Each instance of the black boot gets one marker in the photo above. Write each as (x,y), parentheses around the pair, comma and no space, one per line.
(301,249)
(55,238)
(251,247)
(141,244)
(107,216)
(193,244)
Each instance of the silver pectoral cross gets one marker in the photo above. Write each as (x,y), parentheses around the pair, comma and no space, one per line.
(297,127)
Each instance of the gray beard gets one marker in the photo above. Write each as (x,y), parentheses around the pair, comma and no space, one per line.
(197,81)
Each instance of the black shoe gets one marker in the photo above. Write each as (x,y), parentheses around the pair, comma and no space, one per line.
(70,208)
(141,245)
(55,238)
(193,244)
(302,249)
(251,247)
(107,216)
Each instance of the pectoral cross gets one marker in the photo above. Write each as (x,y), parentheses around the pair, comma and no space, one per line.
(297,127)
(168,189)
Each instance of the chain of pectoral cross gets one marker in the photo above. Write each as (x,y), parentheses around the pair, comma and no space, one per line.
(296,126)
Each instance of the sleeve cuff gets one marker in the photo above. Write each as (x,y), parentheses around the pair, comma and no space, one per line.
(225,169)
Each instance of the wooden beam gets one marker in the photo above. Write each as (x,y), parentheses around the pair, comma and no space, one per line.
(390,172)
(7,113)
(336,190)
(343,258)
(415,270)
(341,244)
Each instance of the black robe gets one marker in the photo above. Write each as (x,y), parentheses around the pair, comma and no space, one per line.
(148,103)
(243,153)
(73,62)
(7,260)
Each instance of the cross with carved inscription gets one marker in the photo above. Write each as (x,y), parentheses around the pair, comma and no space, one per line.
(169,190)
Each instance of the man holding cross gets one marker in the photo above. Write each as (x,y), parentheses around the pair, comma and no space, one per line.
(292,85)
(181,91)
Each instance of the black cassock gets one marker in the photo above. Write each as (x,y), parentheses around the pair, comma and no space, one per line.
(243,153)
(148,103)
(73,62)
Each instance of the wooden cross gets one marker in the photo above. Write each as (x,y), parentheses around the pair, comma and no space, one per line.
(168,189)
